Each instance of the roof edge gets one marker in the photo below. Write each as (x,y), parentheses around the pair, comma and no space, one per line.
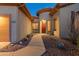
(21,6)
(44,10)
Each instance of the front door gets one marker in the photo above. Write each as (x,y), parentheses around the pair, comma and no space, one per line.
(4,29)
(43,26)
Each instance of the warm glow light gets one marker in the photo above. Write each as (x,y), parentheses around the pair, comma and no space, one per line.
(4,29)
(44,21)
(2,21)
(35,25)
(49,25)
(1,17)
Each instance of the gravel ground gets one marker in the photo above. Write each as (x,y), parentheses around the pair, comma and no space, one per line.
(52,48)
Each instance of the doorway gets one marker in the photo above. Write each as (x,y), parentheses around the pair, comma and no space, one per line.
(43,26)
(4,29)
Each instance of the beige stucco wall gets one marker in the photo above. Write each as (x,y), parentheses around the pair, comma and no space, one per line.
(57,27)
(56,23)
(65,18)
(28,27)
(12,11)
(23,25)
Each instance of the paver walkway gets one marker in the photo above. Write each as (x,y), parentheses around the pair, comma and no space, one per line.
(35,48)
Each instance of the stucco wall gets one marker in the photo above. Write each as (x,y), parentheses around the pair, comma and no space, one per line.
(12,11)
(23,25)
(56,24)
(65,18)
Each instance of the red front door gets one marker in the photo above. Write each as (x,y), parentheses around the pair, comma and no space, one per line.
(43,26)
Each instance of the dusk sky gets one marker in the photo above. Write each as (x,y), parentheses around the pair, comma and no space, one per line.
(34,7)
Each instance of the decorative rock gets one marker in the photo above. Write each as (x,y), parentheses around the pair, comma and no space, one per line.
(60,45)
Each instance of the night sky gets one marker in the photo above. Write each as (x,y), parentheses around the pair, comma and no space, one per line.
(34,7)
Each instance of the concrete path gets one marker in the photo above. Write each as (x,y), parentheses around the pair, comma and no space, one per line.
(35,48)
